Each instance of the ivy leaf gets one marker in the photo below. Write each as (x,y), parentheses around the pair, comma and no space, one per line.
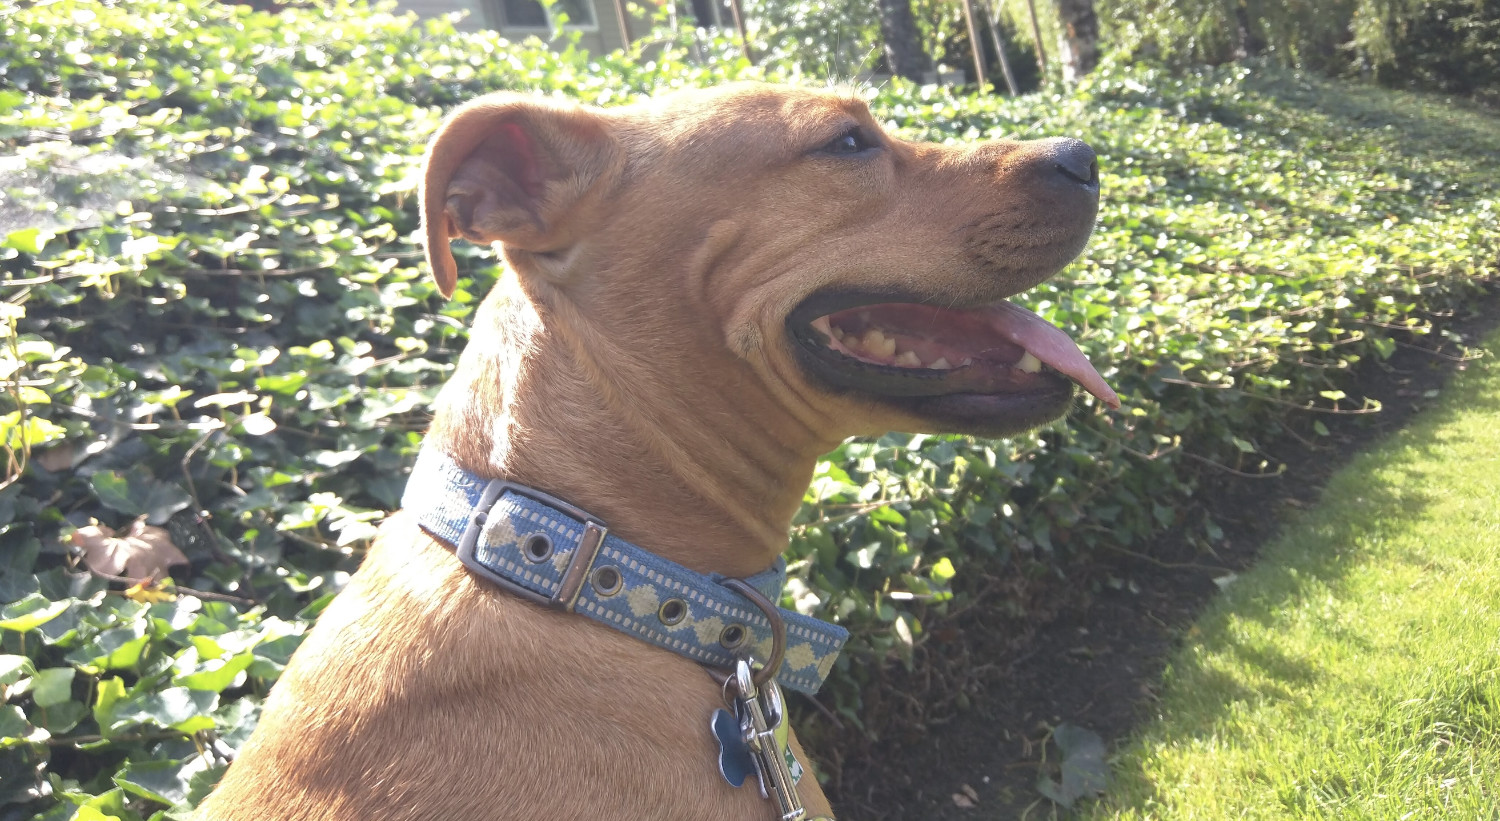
(177,708)
(52,686)
(13,669)
(13,722)
(17,561)
(16,432)
(217,674)
(1084,771)
(137,493)
(117,649)
(30,613)
(62,717)
(169,782)
(109,693)
(15,730)
(27,240)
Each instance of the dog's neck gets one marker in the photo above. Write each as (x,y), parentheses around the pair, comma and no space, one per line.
(531,403)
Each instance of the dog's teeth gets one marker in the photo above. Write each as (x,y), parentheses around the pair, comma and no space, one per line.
(821,325)
(941,365)
(968,360)
(1029,363)
(909,359)
(873,341)
(888,347)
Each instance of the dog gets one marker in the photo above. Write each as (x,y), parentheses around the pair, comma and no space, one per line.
(704,293)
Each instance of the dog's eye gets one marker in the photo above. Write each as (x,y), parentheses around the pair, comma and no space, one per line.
(852,141)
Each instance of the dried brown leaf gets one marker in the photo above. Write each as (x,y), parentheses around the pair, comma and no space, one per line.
(141,552)
(56,458)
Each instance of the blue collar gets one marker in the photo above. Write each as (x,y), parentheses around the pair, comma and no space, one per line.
(549,552)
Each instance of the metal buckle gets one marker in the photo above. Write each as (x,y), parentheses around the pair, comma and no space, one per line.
(578,567)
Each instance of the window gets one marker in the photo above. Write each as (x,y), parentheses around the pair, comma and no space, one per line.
(703,12)
(711,13)
(530,14)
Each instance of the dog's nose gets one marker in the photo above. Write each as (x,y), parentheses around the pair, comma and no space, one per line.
(1076,161)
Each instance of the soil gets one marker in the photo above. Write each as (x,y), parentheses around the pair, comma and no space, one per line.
(1088,646)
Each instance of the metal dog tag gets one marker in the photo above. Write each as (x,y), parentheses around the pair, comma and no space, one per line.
(735,761)
(761,713)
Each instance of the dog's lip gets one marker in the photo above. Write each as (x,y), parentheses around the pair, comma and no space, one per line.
(999,348)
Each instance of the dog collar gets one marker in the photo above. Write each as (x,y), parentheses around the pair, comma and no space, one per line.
(554,554)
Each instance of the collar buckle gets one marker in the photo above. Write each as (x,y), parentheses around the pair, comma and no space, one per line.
(573,576)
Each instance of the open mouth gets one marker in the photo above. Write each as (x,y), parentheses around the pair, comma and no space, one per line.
(977,368)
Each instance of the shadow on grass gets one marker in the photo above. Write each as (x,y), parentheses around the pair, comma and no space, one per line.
(1374,510)
(1430,124)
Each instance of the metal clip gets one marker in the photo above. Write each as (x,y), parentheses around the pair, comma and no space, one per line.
(760,712)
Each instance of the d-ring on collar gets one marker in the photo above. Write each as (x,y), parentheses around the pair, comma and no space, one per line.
(552,553)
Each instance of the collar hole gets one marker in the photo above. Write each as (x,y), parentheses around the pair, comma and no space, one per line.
(607,580)
(672,611)
(537,548)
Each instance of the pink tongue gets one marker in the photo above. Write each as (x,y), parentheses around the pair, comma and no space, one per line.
(1050,345)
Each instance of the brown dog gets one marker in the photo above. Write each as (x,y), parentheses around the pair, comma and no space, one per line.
(705,293)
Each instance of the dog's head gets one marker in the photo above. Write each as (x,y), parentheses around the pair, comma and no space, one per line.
(781,242)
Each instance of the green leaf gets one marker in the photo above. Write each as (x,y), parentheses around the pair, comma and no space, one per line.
(109,693)
(169,782)
(202,782)
(17,581)
(943,570)
(216,674)
(27,240)
(138,493)
(1084,771)
(13,723)
(117,649)
(17,432)
(30,613)
(175,707)
(62,717)
(52,686)
(14,668)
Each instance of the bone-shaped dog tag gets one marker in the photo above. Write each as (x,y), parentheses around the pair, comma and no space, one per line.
(735,759)
(756,709)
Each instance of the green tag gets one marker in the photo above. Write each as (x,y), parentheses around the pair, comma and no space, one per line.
(783,741)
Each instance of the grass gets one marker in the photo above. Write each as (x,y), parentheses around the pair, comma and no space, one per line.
(1355,672)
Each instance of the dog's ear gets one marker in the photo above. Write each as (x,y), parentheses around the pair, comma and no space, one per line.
(510,169)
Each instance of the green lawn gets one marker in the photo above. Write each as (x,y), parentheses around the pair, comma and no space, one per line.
(1355,672)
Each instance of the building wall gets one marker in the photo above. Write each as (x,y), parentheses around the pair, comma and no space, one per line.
(600,37)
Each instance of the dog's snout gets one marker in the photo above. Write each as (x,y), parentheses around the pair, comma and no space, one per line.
(1075,160)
